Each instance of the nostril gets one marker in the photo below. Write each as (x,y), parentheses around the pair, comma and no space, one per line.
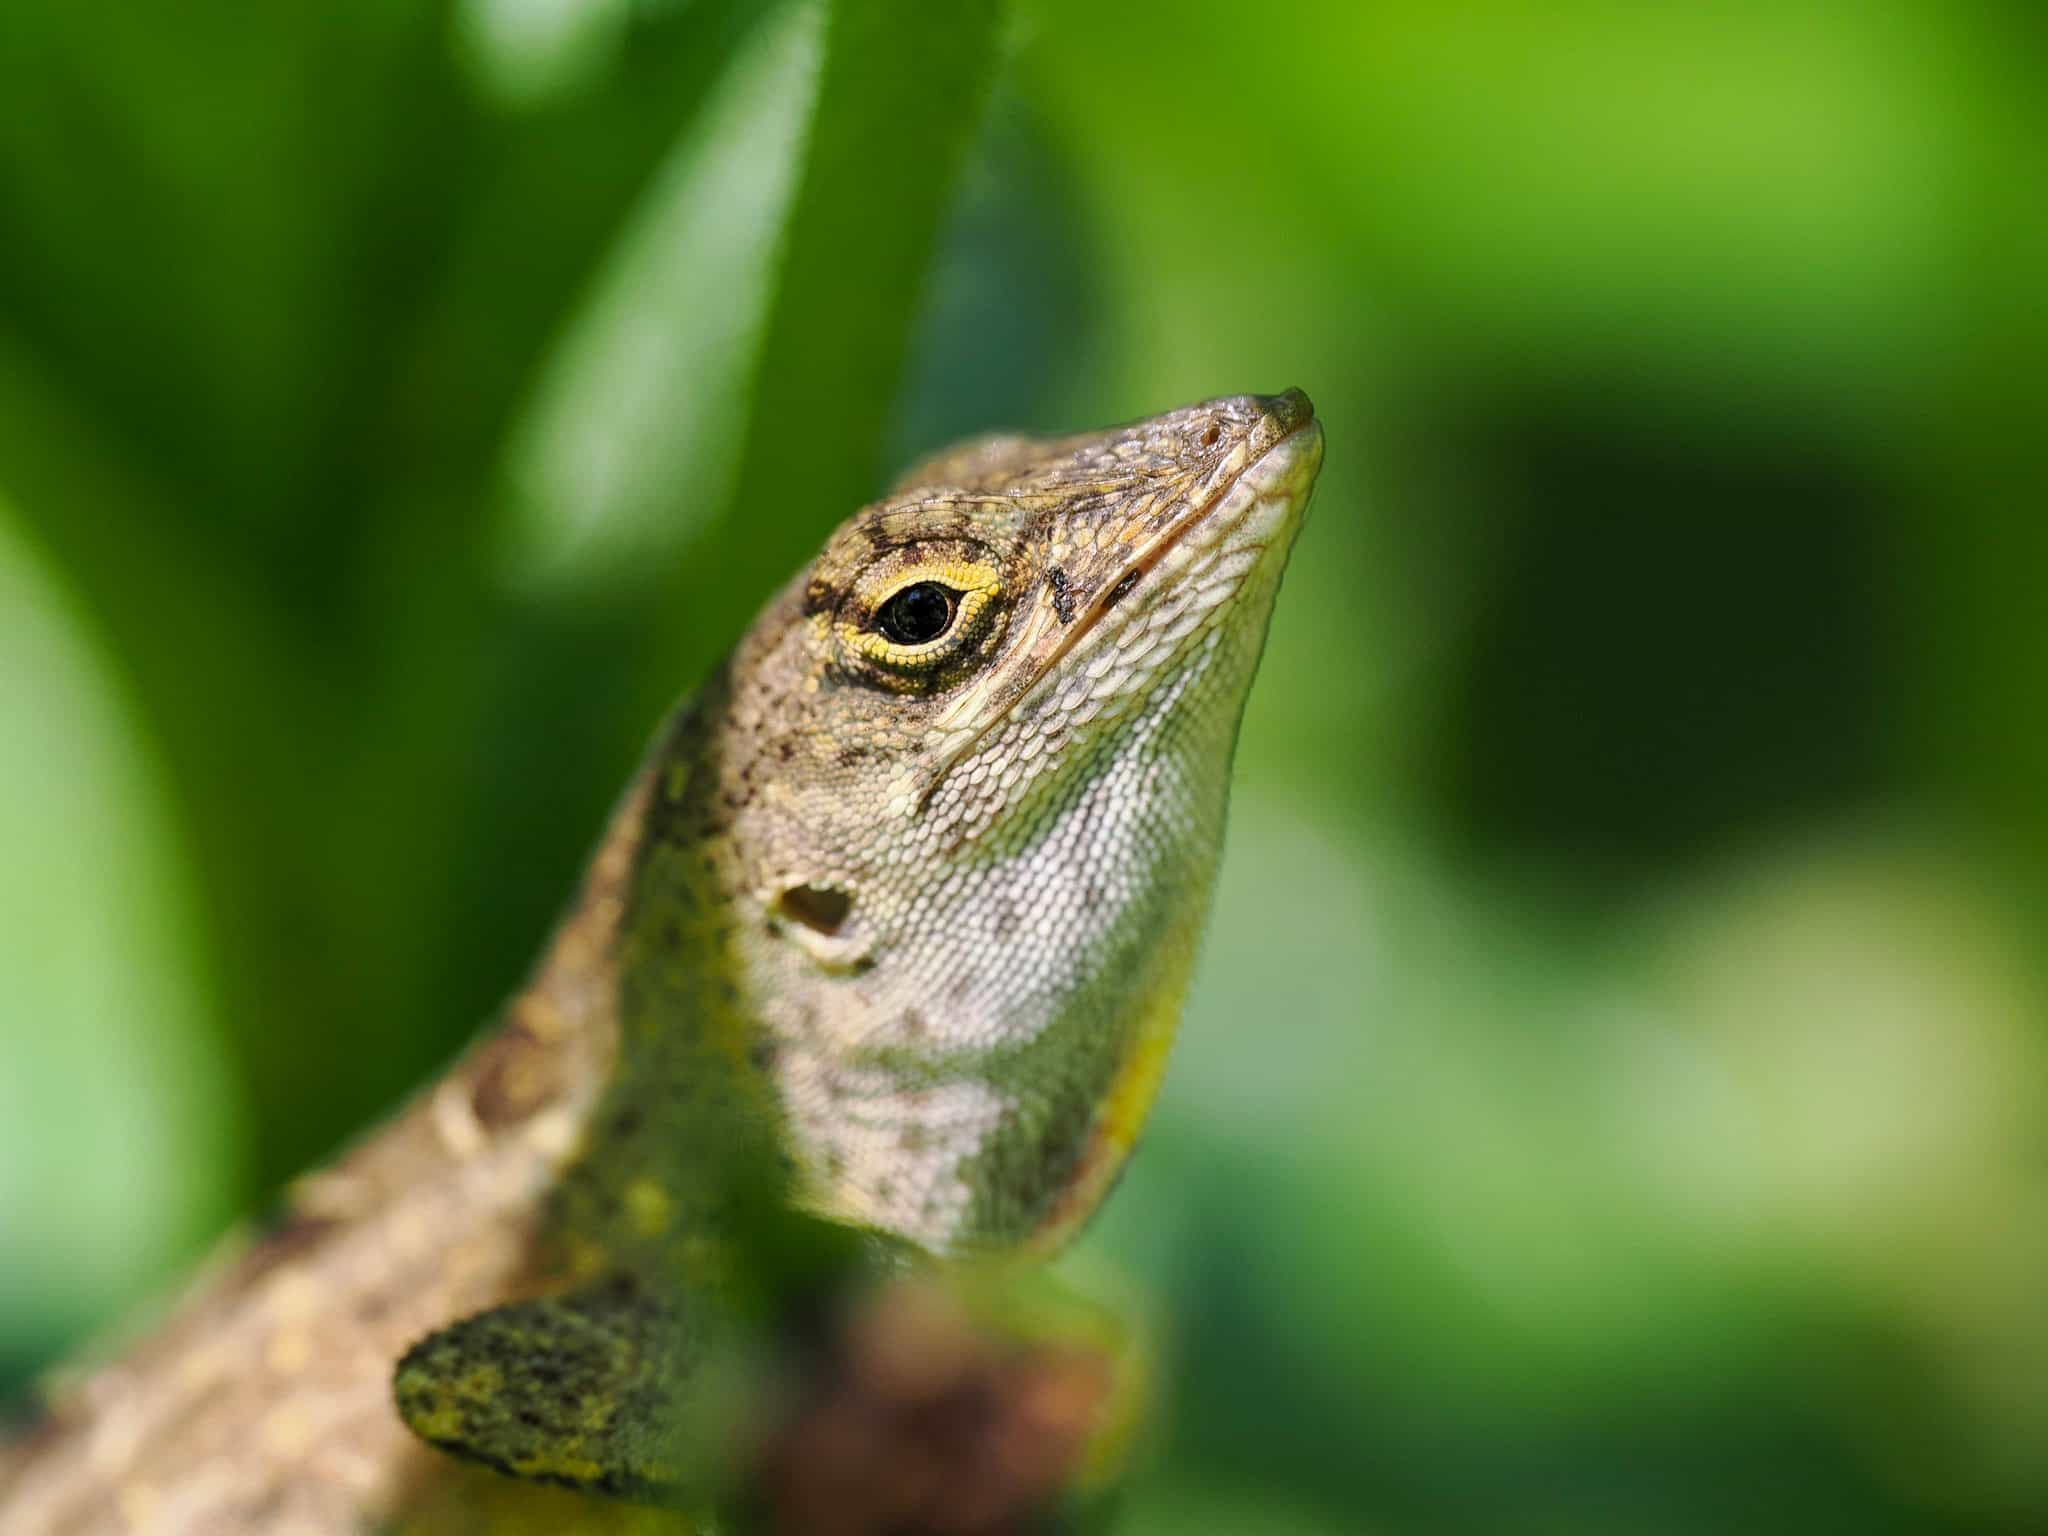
(1211,435)
(818,907)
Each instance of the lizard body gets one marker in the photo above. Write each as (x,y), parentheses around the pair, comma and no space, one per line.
(889,934)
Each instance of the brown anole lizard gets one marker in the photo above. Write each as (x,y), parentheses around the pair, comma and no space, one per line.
(889,935)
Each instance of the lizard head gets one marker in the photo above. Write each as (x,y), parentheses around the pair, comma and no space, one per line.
(973,772)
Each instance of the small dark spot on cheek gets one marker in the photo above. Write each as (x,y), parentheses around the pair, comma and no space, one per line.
(820,597)
(1062,594)
(38,1435)
(1121,590)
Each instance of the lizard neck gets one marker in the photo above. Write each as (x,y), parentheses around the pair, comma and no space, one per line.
(686,1139)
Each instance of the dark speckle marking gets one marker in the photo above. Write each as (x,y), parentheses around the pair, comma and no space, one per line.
(289,1236)
(820,597)
(854,755)
(39,1433)
(1062,594)
(268,1507)
(516,1079)
(915,1025)
(1121,590)
(1091,897)
(1006,920)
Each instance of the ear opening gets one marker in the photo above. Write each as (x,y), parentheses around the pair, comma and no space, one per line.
(820,908)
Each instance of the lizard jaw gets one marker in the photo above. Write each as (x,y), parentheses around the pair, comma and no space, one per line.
(1265,496)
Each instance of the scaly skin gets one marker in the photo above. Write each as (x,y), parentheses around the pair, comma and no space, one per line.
(890,933)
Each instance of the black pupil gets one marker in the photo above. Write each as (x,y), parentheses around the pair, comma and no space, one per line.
(917,614)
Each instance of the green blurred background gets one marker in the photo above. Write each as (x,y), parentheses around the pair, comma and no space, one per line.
(1614,1094)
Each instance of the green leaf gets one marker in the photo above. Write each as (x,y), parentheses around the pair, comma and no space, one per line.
(546,200)
(115,1139)
(628,446)
(900,94)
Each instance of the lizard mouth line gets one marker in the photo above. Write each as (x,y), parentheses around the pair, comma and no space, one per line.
(1142,565)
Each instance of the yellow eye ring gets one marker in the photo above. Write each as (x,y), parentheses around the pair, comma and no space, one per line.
(928,616)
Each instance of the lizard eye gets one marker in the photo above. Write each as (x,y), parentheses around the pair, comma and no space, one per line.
(920,619)
(919,614)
